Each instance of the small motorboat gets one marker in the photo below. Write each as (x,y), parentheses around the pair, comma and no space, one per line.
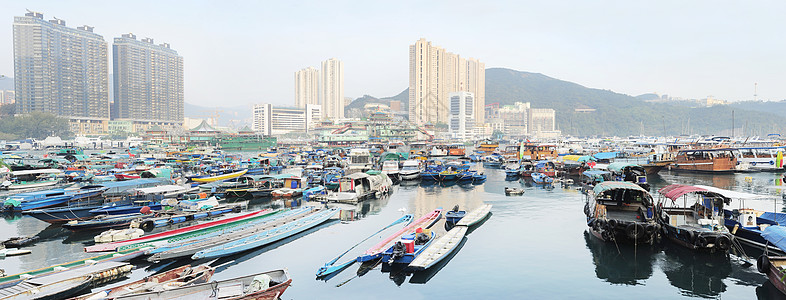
(541,178)
(509,191)
(20,241)
(454,215)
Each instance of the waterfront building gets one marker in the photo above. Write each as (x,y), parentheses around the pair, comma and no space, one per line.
(148,81)
(269,120)
(435,72)
(542,123)
(332,89)
(61,70)
(306,87)
(462,115)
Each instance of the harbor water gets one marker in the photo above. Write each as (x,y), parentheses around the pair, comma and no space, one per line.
(533,246)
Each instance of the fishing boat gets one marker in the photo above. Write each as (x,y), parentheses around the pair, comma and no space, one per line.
(356,187)
(721,160)
(189,246)
(375,252)
(658,161)
(36,200)
(456,150)
(439,249)
(454,215)
(106,222)
(630,172)
(266,285)
(391,168)
(509,191)
(512,169)
(20,241)
(773,265)
(541,178)
(331,267)
(546,167)
(474,217)
(699,226)
(190,230)
(177,277)
(410,170)
(409,247)
(220,177)
(32,179)
(47,289)
(621,211)
(268,236)
(13,252)
(493,161)
(486,147)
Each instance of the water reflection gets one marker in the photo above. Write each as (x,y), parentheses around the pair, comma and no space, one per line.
(696,274)
(621,263)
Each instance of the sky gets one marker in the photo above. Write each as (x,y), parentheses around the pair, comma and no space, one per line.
(245,52)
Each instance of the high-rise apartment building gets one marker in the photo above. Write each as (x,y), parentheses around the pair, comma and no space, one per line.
(148,81)
(462,115)
(306,87)
(332,89)
(433,74)
(270,120)
(61,70)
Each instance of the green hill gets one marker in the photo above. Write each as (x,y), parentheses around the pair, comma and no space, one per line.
(618,114)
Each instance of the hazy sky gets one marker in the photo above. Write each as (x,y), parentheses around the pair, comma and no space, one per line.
(243,52)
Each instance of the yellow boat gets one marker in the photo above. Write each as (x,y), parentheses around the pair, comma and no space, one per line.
(220,177)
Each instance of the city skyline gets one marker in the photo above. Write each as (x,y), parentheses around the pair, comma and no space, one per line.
(692,51)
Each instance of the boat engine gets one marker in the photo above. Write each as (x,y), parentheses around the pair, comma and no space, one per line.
(398,251)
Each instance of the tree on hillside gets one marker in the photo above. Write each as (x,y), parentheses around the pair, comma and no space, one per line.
(37,125)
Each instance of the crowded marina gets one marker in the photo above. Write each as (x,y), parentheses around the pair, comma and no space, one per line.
(157,221)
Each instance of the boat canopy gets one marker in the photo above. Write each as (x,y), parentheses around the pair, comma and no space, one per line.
(613,185)
(595,173)
(605,155)
(675,191)
(37,171)
(577,158)
(734,195)
(619,166)
(775,235)
(162,189)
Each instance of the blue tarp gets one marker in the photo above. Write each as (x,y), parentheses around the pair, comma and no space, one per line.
(605,155)
(779,218)
(775,235)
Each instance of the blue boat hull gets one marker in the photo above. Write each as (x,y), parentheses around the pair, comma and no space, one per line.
(63,214)
(38,204)
(123,209)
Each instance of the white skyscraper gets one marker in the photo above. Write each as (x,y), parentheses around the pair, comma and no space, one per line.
(462,114)
(332,89)
(306,87)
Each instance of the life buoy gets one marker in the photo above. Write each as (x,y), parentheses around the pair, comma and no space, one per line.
(147,225)
(635,230)
(701,241)
(723,242)
(763,264)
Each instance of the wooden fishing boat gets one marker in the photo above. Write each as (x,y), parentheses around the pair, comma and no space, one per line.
(191,246)
(630,172)
(268,236)
(699,223)
(181,276)
(267,285)
(194,229)
(475,216)
(774,266)
(439,249)
(454,215)
(46,289)
(107,266)
(220,177)
(706,160)
(375,252)
(621,211)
